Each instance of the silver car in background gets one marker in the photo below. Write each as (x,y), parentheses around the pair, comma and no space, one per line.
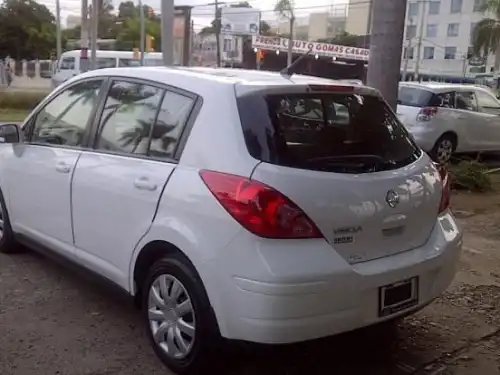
(450,118)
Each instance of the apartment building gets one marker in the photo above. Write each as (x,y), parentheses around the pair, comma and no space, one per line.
(320,25)
(358,21)
(445,28)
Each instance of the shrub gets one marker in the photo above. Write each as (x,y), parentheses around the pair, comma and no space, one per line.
(470,175)
(21,100)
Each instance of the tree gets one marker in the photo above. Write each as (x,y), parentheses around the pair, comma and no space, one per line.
(386,43)
(344,39)
(486,35)
(27,30)
(285,8)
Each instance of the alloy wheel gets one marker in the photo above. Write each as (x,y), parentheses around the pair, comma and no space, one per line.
(171,316)
(444,150)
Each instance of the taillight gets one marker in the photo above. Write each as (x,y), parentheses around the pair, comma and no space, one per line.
(427,113)
(259,208)
(446,192)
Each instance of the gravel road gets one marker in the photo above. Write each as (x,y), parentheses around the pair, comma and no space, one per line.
(53,321)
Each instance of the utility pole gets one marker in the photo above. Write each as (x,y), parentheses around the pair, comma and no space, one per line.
(368,23)
(167,31)
(289,58)
(419,40)
(217,30)
(93,34)
(84,37)
(407,53)
(143,31)
(58,30)
(386,43)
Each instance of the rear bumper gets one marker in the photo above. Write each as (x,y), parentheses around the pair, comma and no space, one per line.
(312,292)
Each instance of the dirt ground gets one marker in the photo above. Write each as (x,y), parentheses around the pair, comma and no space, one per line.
(53,321)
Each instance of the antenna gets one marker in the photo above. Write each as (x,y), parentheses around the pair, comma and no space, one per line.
(290,69)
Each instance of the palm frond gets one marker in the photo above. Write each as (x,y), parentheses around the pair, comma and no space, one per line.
(486,37)
(284,8)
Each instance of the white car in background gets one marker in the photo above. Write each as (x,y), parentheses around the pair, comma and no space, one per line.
(231,203)
(450,118)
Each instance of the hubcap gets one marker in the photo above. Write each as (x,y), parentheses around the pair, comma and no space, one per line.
(1,222)
(171,316)
(444,151)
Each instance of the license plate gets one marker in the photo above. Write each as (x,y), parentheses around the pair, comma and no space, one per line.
(397,297)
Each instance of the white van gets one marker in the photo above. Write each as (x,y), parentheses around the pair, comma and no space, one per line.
(69,64)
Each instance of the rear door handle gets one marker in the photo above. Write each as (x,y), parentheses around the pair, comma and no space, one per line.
(62,167)
(143,183)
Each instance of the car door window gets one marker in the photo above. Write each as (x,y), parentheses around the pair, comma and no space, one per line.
(172,117)
(466,100)
(65,118)
(67,63)
(129,112)
(443,100)
(487,103)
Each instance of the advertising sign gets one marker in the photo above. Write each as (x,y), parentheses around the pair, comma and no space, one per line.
(321,49)
(240,21)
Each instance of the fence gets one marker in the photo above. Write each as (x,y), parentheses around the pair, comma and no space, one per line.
(28,74)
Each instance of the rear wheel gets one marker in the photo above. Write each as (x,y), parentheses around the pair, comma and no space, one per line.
(8,243)
(444,148)
(180,322)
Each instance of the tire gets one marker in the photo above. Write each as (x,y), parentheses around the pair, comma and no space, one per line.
(8,244)
(444,148)
(201,347)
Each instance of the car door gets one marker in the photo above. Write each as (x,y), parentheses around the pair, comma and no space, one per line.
(472,126)
(117,186)
(489,111)
(40,170)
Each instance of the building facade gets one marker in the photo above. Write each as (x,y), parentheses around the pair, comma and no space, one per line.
(321,25)
(445,29)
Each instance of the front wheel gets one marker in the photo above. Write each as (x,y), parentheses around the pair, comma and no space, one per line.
(180,323)
(8,243)
(444,148)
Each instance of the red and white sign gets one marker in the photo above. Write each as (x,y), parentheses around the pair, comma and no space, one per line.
(321,49)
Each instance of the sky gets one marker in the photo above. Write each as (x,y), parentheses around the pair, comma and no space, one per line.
(203,14)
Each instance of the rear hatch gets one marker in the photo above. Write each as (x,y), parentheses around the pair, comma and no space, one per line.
(341,155)
(415,102)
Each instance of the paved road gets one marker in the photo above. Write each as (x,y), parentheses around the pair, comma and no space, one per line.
(53,321)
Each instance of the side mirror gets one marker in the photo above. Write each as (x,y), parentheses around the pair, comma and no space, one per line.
(10,133)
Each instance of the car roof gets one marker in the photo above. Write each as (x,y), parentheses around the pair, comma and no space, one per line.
(444,87)
(204,80)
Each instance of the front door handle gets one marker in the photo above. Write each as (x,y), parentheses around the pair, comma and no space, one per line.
(62,167)
(143,183)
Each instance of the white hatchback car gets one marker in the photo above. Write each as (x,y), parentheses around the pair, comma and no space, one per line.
(238,204)
(449,118)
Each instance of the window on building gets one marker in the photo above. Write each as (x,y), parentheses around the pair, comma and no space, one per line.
(428,53)
(453,29)
(412,9)
(456,6)
(408,53)
(434,7)
(478,5)
(450,53)
(411,31)
(431,31)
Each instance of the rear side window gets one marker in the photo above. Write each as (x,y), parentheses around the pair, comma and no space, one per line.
(413,96)
(345,133)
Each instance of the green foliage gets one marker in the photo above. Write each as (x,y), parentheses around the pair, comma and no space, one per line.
(19,100)
(27,30)
(344,39)
(486,36)
(470,175)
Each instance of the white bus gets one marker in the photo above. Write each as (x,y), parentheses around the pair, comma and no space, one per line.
(69,65)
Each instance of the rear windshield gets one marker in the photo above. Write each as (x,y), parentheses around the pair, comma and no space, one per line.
(414,96)
(344,133)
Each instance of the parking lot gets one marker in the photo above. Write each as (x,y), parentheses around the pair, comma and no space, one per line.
(55,321)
